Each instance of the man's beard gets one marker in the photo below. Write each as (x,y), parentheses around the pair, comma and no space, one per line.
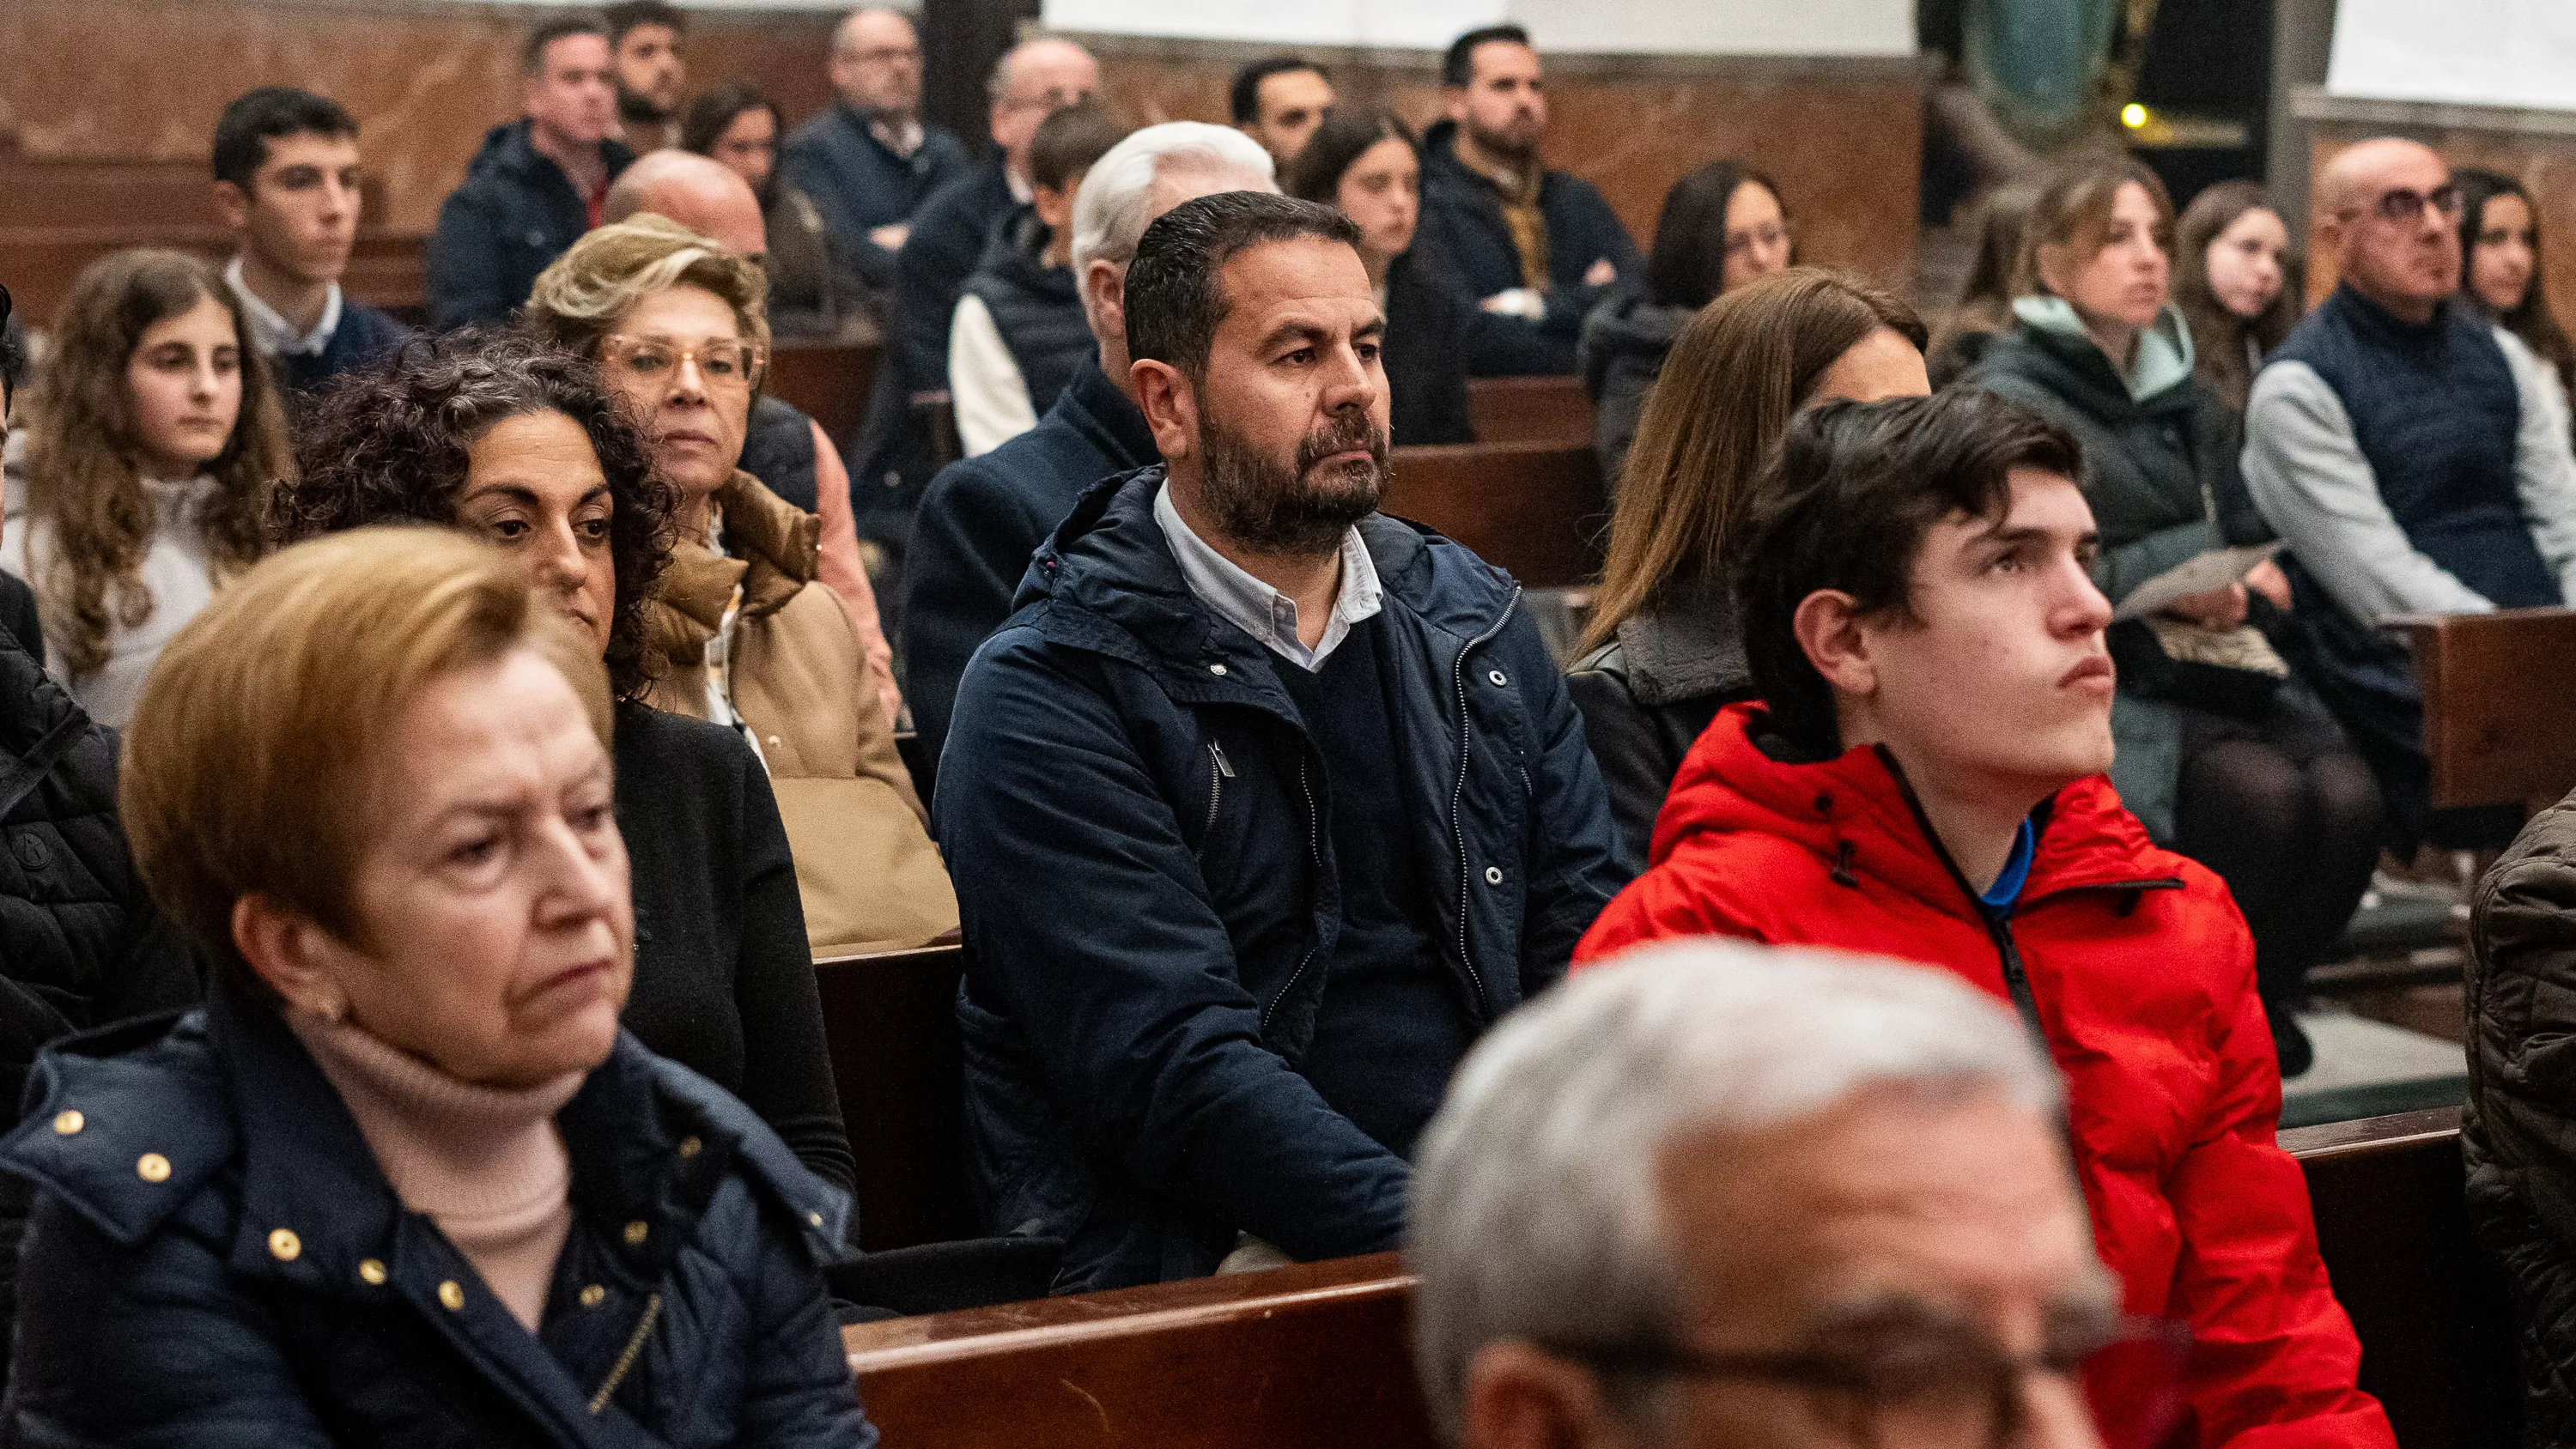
(1299,510)
(637,108)
(1504,144)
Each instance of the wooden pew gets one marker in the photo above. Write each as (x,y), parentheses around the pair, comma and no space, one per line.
(890,1021)
(828,382)
(1310,1357)
(1529,410)
(1318,1355)
(2499,720)
(1535,509)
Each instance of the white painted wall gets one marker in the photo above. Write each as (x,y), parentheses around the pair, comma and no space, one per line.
(2477,52)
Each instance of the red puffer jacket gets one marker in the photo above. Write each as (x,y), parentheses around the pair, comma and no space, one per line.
(2141,975)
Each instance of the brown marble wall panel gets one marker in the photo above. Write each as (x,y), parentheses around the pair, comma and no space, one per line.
(1843,139)
(2544,163)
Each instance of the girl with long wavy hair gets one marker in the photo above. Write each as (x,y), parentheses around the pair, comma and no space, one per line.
(156,448)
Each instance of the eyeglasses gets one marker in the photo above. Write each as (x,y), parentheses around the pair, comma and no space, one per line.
(1769,234)
(1898,1378)
(2402,205)
(725,366)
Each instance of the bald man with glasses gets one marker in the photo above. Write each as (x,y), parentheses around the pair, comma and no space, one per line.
(2399,443)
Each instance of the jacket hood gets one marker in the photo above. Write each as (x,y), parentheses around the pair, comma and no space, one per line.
(1627,326)
(1689,645)
(1855,813)
(1118,589)
(2165,355)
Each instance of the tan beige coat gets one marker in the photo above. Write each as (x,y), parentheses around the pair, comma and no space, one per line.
(870,877)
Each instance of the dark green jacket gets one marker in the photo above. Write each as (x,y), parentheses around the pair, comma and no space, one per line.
(2160,472)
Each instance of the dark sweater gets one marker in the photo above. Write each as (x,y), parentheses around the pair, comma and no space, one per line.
(1390,1028)
(724,982)
(979,523)
(859,185)
(364,334)
(1462,213)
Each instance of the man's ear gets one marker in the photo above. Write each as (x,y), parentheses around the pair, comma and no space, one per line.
(232,205)
(286,949)
(1828,628)
(1104,298)
(1520,1397)
(1171,409)
(1453,100)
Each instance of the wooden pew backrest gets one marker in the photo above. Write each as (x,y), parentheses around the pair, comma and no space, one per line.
(2499,720)
(1529,410)
(2437,1343)
(827,382)
(1319,1354)
(891,1024)
(1309,1357)
(1534,509)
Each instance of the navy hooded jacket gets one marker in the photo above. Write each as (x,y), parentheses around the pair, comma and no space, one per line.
(1136,821)
(514,215)
(255,1282)
(1462,218)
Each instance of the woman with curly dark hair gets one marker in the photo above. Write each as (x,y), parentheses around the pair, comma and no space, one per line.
(522,444)
(156,447)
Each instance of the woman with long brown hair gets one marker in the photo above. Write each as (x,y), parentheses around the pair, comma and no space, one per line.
(2232,282)
(1662,653)
(2500,273)
(156,449)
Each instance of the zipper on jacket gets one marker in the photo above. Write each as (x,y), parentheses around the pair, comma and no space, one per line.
(1217,777)
(1315,853)
(1458,793)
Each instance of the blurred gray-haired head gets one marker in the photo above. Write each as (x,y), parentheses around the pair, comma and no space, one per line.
(1115,203)
(1536,1211)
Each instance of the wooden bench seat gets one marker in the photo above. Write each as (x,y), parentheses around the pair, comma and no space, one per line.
(1534,509)
(2499,719)
(1318,1355)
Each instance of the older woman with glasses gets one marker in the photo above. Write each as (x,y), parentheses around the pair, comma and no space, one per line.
(747,635)
(404,1180)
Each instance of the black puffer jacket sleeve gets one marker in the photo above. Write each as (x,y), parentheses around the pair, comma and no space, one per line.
(2519,1130)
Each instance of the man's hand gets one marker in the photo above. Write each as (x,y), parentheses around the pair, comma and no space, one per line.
(2266,578)
(2216,608)
(1602,274)
(1518,302)
(890,236)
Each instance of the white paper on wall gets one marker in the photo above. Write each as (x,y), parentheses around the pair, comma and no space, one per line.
(1618,27)
(2473,52)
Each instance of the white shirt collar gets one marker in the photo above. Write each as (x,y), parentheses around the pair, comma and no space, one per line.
(1260,610)
(272,332)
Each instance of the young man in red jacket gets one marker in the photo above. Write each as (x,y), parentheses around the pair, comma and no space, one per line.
(1925,781)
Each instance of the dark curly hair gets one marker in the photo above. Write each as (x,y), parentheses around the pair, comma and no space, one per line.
(388,443)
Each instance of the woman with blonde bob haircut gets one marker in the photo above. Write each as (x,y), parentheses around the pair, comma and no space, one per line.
(747,634)
(1663,652)
(157,446)
(403,1178)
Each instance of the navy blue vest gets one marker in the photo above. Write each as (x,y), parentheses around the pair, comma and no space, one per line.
(2435,412)
(1036,308)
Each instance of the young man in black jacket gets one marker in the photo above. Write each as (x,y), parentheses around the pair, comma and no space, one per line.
(984,516)
(1269,804)
(1539,247)
(286,183)
(538,183)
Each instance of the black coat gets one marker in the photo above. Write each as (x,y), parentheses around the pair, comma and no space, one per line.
(1425,355)
(1132,809)
(1622,352)
(2518,1130)
(20,617)
(724,978)
(1649,694)
(262,1286)
(514,215)
(859,185)
(1462,215)
(979,523)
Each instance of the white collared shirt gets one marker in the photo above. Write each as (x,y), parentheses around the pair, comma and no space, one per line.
(1260,610)
(270,330)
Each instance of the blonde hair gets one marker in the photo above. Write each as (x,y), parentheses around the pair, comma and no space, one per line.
(242,769)
(583,295)
(84,454)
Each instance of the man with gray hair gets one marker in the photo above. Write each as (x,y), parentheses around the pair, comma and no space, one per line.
(867,161)
(1721,1193)
(983,517)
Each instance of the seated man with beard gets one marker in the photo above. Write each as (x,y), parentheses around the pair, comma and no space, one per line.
(1270,804)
